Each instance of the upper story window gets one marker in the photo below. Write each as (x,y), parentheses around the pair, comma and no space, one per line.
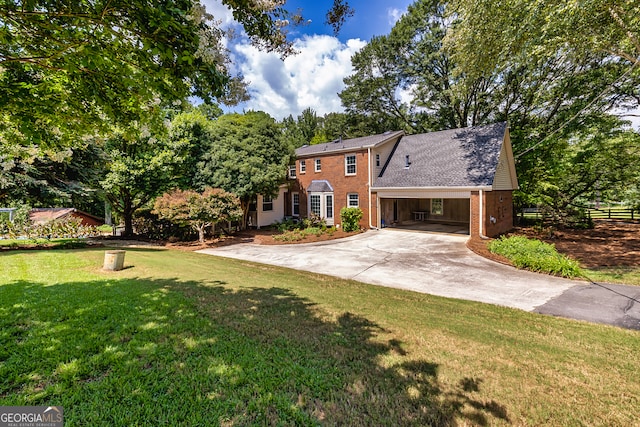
(267,203)
(292,171)
(303,166)
(350,164)
(318,165)
(378,160)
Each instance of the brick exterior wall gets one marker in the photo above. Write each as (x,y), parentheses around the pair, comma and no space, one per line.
(496,204)
(333,171)
(499,205)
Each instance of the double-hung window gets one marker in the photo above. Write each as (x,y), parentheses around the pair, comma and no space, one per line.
(303,167)
(267,203)
(318,165)
(350,164)
(353,200)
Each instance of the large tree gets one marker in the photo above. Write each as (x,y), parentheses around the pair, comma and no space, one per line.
(140,168)
(248,156)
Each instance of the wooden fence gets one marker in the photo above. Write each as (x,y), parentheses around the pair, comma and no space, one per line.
(603,213)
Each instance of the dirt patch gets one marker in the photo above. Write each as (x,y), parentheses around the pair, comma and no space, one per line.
(608,244)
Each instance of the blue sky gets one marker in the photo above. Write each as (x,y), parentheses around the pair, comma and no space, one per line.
(313,77)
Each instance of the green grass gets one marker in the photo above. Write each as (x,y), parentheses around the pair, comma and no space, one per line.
(187,339)
(622,274)
(49,243)
(535,255)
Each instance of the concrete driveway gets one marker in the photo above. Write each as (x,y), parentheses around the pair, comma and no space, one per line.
(441,264)
(437,264)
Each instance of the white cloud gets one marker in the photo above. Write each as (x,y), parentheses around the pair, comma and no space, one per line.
(394,15)
(312,78)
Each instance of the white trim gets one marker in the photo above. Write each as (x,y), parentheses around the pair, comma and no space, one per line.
(303,162)
(369,185)
(349,200)
(317,162)
(408,189)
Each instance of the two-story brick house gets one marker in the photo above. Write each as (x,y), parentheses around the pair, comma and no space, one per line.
(337,174)
(460,176)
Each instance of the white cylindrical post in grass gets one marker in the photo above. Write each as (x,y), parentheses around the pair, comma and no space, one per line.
(113,260)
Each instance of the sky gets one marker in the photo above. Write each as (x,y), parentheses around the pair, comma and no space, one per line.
(314,77)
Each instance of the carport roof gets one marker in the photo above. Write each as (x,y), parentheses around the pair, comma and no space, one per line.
(466,157)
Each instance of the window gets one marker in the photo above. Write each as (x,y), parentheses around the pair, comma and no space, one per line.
(315,204)
(329,206)
(267,203)
(303,166)
(436,207)
(295,204)
(350,164)
(318,164)
(378,160)
(292,171)
(353,200)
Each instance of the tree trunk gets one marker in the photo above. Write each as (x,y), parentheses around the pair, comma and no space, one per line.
(127,216)
(245,213)
(201,233)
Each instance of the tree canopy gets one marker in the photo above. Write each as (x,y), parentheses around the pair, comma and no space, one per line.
(248,156)
(198,210)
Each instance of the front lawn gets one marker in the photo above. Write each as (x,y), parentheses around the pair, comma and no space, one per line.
(180,338)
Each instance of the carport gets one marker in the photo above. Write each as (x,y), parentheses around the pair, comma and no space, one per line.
(436,211)
(462,178)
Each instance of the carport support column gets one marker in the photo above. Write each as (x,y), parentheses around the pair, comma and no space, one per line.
(475,218)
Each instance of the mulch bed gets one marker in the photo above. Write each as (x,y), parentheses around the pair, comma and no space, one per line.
(608,244)
(260,237)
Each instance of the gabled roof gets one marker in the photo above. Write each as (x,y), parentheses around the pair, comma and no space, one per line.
(44,215)
(347,144)
(466,157)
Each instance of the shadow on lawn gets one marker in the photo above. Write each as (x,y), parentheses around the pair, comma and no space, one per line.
(146,351)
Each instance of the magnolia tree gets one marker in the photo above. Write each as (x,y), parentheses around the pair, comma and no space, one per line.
(198,210)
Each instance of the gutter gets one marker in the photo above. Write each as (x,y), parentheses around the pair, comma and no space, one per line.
(480,188)
(481,216)
(369,186)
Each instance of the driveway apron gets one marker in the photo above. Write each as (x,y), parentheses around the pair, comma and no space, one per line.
(436,264)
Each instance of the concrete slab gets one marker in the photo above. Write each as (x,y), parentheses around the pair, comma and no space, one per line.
(437,264)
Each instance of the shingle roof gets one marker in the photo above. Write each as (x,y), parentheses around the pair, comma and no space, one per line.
(466,157)
(320,186)
(347,144)
(44,215)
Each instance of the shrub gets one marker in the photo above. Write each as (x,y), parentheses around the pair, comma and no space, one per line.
(149,225)
(69,228)
(350,218)
(534,255)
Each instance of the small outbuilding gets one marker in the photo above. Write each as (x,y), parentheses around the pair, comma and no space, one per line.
(44,215)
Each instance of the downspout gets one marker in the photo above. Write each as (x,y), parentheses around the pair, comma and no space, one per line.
(481,216)
(369,185)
